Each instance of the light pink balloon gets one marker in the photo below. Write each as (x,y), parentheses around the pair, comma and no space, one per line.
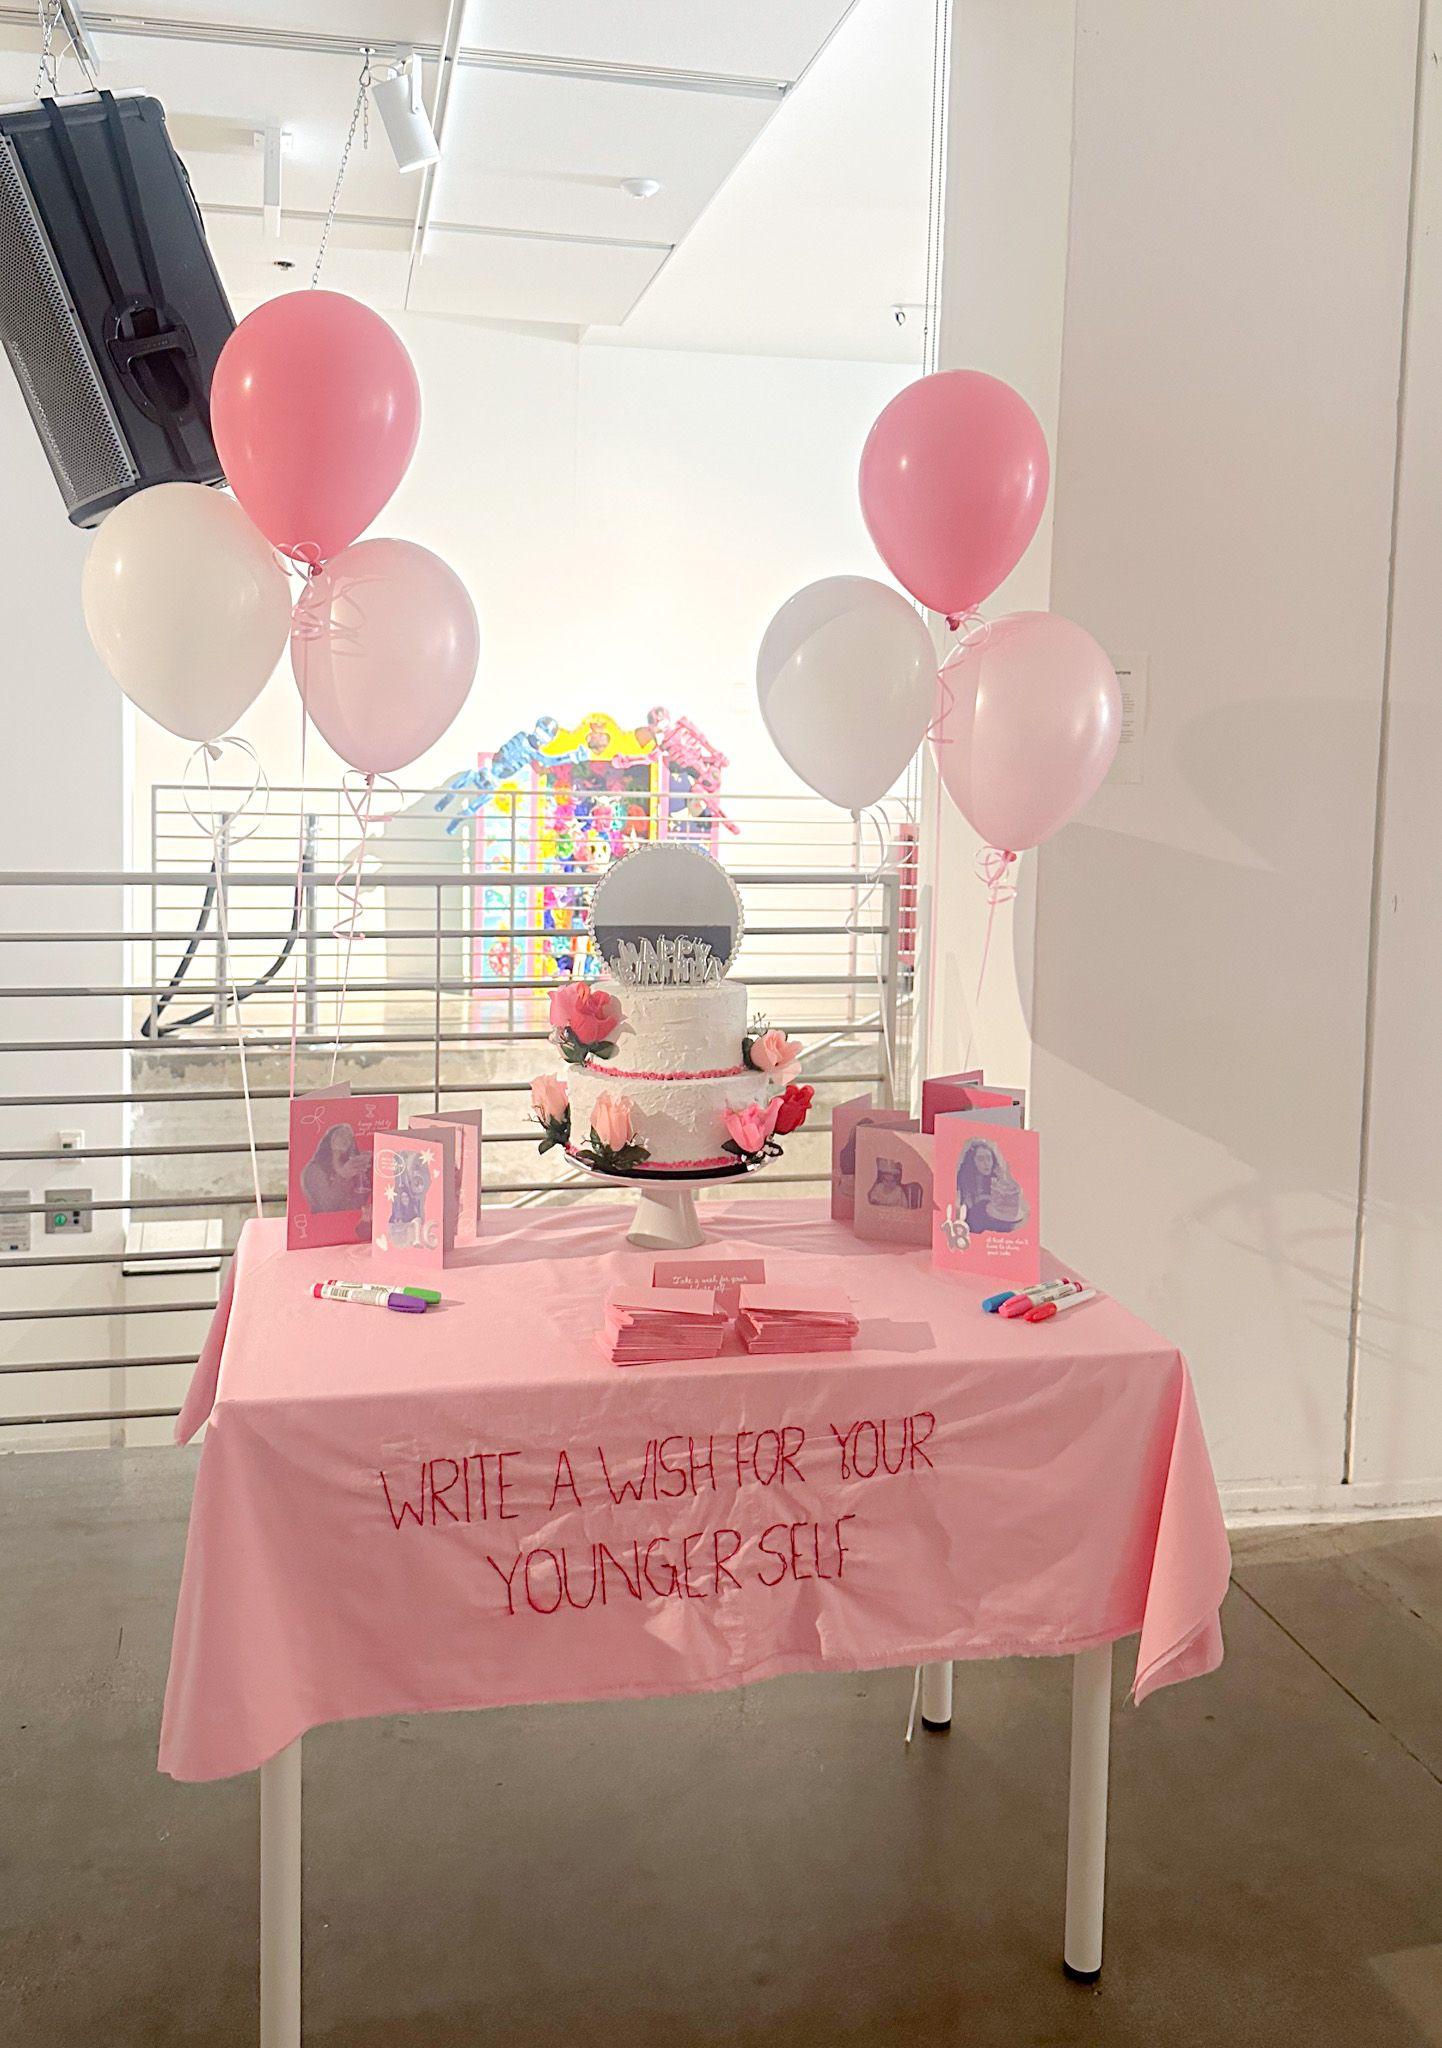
(384,644)
(315,410)
(1028,719)
(953,480)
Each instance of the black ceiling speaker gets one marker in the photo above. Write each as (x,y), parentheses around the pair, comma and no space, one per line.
(111,309)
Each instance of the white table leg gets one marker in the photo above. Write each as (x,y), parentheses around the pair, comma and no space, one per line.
(936,1697)
(280,1900)
(1086,1839)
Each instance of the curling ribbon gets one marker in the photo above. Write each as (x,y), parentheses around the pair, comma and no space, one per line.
(359,791)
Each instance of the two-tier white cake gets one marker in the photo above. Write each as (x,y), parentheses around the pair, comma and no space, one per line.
(657,1071)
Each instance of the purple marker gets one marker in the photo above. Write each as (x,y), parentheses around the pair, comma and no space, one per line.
(369,1293)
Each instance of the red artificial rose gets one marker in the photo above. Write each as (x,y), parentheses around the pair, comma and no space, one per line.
(792,1108)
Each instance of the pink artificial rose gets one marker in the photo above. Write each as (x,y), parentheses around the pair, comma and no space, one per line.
(773,1051)
(751,1128)
(586,1011)
(549,1098)
(611,1122)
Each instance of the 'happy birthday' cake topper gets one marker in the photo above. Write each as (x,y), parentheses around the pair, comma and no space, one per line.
(667,916)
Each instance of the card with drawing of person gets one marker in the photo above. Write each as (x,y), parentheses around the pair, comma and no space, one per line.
(415,1195)
(985,1218)
(328,1181)
(847,1120)
(893,1184)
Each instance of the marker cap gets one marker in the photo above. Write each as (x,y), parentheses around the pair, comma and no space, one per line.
(407,1303)
(425,1294)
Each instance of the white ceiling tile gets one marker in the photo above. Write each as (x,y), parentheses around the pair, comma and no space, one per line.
(773,39)
(505,277)
(549,153)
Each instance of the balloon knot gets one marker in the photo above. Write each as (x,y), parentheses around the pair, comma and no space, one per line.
(953,622)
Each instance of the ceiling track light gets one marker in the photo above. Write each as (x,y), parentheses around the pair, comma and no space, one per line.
(402,109)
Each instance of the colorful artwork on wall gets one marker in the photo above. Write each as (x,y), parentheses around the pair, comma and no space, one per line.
(561,801)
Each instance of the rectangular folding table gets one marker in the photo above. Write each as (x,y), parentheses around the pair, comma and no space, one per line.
(471,1508)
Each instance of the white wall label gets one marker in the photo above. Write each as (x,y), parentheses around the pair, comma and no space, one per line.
(1132,675)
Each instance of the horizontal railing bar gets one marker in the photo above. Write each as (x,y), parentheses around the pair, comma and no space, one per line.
(239,1149)
(451,985)
(89,1313)
(199,1047)
(423,1087)
(411,878)
(91,1415)
(182,935)
(101,1364)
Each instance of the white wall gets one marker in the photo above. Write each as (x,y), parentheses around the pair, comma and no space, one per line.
(1223,502)
(1398,1421)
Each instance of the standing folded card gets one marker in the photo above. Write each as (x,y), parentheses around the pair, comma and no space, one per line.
(893,1185)
(466,1124)
(328,1191)
(846,1120)
(985,1218)
(415,1194)
(954,1094)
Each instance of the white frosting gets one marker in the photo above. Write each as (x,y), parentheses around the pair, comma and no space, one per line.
(677,1031)
(679,1062)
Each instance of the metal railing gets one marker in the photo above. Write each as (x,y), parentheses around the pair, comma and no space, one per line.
(121,1080)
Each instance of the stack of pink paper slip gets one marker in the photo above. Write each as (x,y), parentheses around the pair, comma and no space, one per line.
(661,1322)
(796,1319)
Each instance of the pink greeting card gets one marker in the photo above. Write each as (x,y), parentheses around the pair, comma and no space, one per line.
(952,1094)
(466,1123)
(328,1189)
(846,1120)
(988,1189)
(893,1184)
(415,1195)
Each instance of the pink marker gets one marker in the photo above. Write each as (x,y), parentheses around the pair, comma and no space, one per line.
(1033,1297)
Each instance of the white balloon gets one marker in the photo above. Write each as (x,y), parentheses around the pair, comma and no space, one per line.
(187,606)
(846,679)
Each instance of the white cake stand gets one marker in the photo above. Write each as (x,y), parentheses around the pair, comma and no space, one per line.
(665,1218)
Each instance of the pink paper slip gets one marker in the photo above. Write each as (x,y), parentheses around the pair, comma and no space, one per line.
(985,1220)
(664,1303)
(799,1301)
(415,1195)
(328,1190)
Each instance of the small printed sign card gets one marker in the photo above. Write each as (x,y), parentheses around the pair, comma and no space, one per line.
(723,1277)
(415,1194)
(466,1124)
(987,1191)
(968,1094)
(846,1120)
(328,1188)
(893,1184)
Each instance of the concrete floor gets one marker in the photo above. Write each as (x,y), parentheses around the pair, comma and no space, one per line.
(768,1867)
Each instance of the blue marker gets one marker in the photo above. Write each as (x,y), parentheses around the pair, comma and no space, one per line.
(994,1301)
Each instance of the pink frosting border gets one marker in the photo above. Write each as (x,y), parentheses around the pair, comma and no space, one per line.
(637,1074)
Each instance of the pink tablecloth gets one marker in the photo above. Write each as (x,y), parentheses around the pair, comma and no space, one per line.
(470,1508)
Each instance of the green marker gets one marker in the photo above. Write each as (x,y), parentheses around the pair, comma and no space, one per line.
(425,1294)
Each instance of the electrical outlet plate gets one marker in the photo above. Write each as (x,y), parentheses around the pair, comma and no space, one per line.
(15,1223)
(67,1210)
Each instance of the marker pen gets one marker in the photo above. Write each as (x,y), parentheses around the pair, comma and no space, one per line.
(368,1293)
(1033,1297)
(1047,1309)
(426,1294)
(994,1301)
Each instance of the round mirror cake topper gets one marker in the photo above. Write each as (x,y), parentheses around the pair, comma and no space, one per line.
(666,916)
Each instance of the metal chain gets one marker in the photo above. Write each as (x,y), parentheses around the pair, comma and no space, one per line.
(46,71)
(360,116)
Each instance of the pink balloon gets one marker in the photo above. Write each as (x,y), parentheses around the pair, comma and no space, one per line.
(384,645)
(315,409)
(1028,719)
(953,480)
